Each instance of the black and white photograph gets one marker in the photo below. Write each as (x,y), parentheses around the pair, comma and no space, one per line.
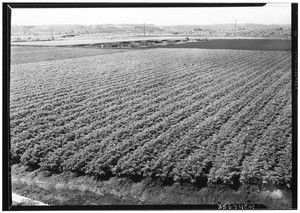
(150,106)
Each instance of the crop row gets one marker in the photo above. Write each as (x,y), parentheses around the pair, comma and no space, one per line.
(183,115)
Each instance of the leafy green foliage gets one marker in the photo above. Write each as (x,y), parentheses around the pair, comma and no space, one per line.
(187,115)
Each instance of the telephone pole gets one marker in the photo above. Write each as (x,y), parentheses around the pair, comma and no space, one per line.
(235,27)
(52,34)
(143,29)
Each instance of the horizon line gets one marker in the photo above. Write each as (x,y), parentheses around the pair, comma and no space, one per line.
(148,24)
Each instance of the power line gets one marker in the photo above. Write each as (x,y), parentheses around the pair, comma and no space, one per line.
(143,27)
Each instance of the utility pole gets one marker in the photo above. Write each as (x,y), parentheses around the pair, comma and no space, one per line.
(143,28)
(52,34)
(235,27)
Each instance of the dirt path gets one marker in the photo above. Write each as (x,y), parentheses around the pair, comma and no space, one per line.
(64,197)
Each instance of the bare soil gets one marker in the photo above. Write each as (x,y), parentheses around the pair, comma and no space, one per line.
(66,197)
(237,44)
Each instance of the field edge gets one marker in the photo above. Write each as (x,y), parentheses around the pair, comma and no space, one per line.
(126,191)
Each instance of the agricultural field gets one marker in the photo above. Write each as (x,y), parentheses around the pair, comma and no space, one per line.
(238,44)
(31,54)
(175,115)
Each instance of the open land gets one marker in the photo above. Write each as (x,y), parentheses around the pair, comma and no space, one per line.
(237,44)
(177,117)
(62,35)
(90,40)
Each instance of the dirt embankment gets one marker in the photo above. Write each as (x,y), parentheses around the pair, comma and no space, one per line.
(67,189)
(235,44)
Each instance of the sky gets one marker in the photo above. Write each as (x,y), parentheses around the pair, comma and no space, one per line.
(277,13)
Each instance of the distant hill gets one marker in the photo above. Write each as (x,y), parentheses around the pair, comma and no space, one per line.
(44,29)
(17,29)
(249,26)
(101,28)
(245,29)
